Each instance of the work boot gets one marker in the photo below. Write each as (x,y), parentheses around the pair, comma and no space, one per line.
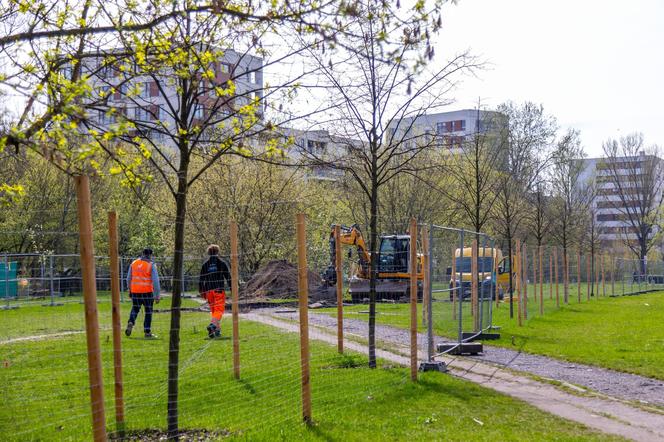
(128,329)
(149,335)
(212,330)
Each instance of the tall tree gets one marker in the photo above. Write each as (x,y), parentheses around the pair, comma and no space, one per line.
(633,185)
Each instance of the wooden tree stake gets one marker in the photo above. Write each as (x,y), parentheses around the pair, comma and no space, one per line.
(235,292)
(555,267)
(303,292)
(116,320)
(340,284)
(525,281)
(541,281)
(413,298)
(90,301)
(518,283)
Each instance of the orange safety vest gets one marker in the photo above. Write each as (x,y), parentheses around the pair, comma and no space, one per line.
(141,277)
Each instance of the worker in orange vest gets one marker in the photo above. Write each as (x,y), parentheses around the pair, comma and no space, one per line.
(211,284)
(143,283)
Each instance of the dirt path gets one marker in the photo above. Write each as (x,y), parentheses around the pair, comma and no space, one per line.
(601,413)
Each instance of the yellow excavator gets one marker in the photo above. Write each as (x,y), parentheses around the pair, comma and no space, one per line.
(393,276)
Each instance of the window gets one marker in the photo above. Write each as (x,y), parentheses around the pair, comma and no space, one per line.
(459,125)
(199,111)
(145,90)
(251,77)
(224,68)
(106,71)
(440,128)
(103,118)
(66,72)
(393,255)
(141,114)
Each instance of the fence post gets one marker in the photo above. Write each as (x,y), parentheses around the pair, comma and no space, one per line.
(578,275)
(413,298)
(541,281)
(121,280)
(116,321)
(557,276)
(518,282)
(525,281)
(50,277)
(587,277)
(235,293)
(473,284)
(454,286)
(303,292)
(460,298)
(339,288)
(550,272)
(425,269)
(7,306)
(613,276)
(496,288)
(566,269)
(535,275)
(603,276)
(90,299)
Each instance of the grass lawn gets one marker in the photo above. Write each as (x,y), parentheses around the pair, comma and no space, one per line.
(622,333)
(45,396)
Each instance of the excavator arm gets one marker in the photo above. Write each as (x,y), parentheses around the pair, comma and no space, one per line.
(351,236)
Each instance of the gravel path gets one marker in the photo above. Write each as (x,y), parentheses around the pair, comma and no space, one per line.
(601,413)
(609,382)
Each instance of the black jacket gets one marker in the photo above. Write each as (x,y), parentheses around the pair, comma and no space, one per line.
(213,275)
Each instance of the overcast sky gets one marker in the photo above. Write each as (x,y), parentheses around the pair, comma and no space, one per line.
(596,65)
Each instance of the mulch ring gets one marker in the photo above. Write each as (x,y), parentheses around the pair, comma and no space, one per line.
(151,435)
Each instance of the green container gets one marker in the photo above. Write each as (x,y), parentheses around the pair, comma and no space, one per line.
(8,281)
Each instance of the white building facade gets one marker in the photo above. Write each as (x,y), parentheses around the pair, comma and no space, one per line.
(619,192)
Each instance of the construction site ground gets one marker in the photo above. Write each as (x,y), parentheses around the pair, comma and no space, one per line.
(610,401)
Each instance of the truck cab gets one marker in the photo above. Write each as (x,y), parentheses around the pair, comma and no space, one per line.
(488,273)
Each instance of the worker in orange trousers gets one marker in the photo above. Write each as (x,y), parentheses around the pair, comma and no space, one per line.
(211,284)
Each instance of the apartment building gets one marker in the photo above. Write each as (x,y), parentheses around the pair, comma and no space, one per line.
(621,188)
(119,92)
(450,129)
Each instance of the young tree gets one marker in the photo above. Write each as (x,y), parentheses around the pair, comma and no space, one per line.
(634,188)
(377,92)
(527,136)
(473,168)
(571,195)
(540,219)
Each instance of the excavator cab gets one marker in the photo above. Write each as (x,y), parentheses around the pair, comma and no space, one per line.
(394,254)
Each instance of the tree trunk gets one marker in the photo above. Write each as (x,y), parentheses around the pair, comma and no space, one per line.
(174,333)
(373,271)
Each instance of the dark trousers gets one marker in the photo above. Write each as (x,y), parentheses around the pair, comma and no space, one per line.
(138,300)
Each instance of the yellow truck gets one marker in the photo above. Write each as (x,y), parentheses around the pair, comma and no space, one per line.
(488,274)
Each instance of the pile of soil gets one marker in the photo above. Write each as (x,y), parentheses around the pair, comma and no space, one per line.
(278,280)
